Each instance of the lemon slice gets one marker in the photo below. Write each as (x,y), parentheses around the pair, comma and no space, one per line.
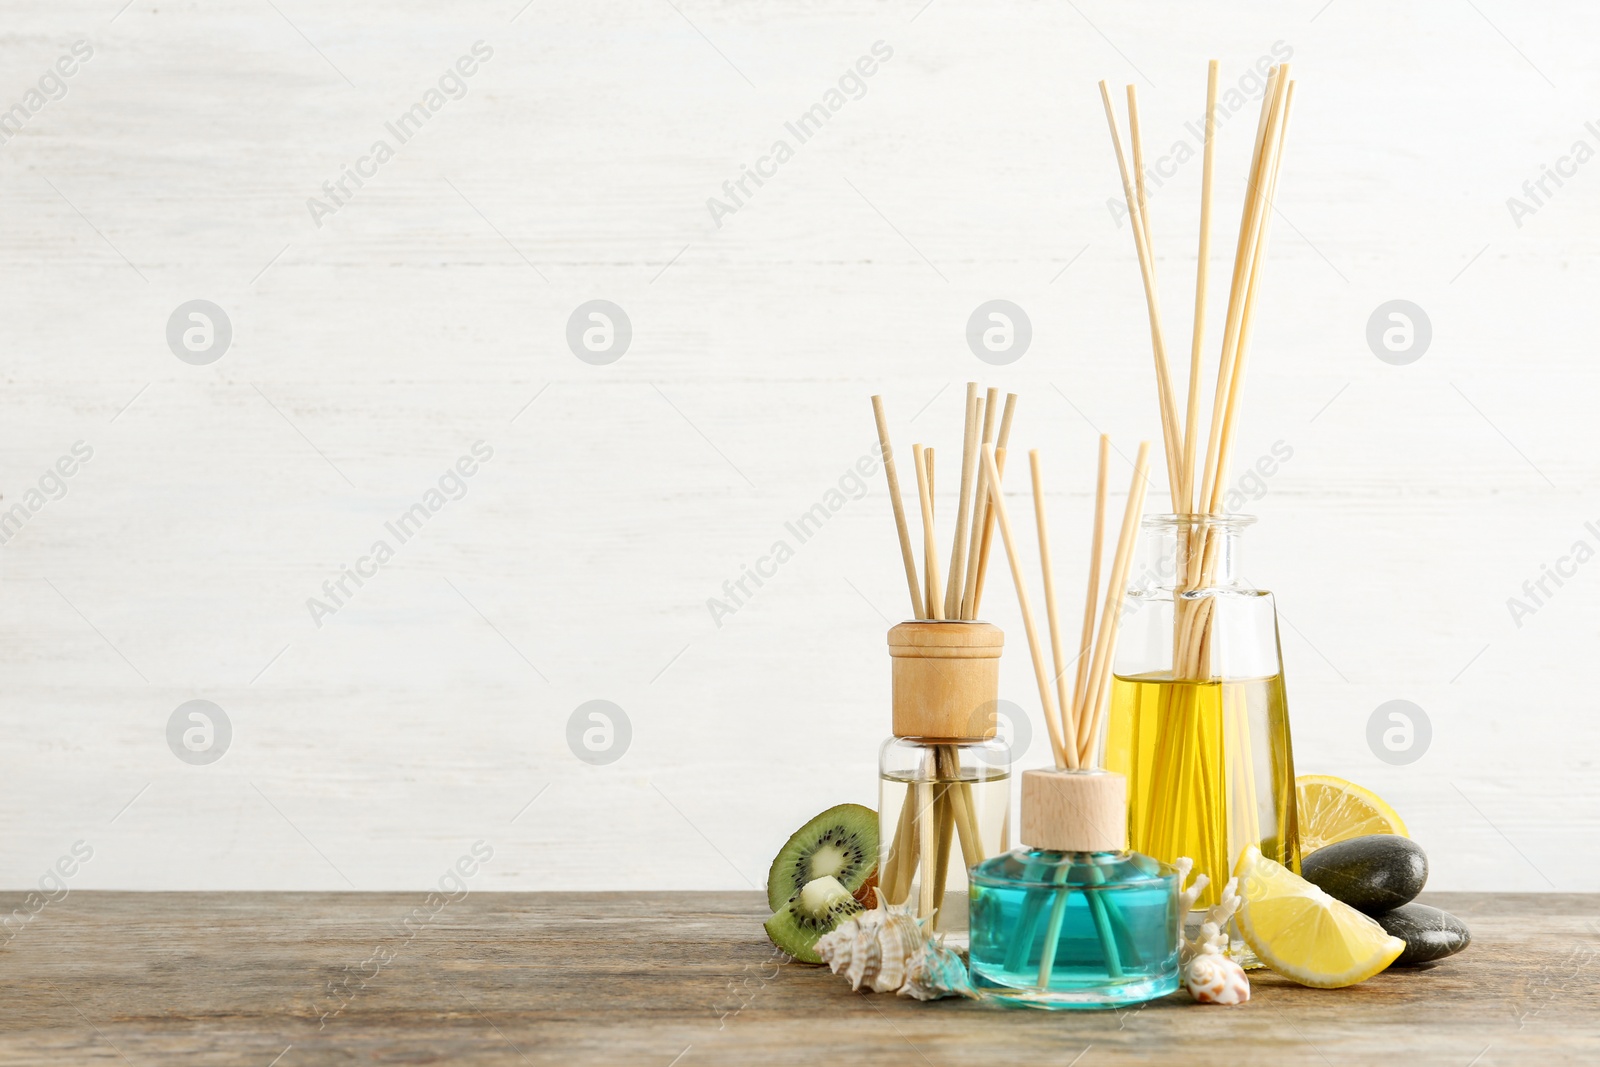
(1303,933)
(1332,809)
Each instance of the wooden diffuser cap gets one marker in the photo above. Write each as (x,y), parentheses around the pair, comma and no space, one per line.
(1075,811)
(946,678)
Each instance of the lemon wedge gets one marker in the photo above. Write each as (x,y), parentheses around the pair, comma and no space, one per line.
(1332,809)
(1303,933)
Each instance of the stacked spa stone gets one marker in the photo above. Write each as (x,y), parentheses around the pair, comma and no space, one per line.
(1381,874)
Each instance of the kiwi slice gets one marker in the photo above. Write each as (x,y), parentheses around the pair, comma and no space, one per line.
(842,843)
(820,905)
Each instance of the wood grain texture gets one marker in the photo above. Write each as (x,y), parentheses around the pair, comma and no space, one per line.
(652,979)
(945,678)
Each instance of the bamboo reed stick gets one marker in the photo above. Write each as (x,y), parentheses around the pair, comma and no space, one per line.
(983,558)
(1191,422)
(930,550)
(988,527)
(928,845)
(913,583)
(1111,618)
(1111,613)
(967,826)
(970,589)
(1102,922)
(1006,415)
(1027,925)
(1052,930)
(1057,654)
(961,806)
(1164,393)
(1250,243)
(1241,265)
(933,506)
(1213,793)
(903,850)
(944,826)
(969,465)
(1047,700)
(980,513)
(1247,320)
(1092,590)
(929,578)
(1137,141)
(1244,763)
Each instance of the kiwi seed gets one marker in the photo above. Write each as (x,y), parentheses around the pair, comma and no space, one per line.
(840,843)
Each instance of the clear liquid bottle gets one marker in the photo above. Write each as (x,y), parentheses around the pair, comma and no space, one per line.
(944,777)
(1199,720)
(1072,919)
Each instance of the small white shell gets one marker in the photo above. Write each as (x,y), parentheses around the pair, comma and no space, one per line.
(886,951)
(1212,935)
(1212,978)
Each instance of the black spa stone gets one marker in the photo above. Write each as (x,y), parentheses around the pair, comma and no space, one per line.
(1429,933)
(1373,874)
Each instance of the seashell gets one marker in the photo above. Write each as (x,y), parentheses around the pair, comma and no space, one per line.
(936,972)
(1212,978)
(1212,935)
(886,951)
(1209,973)
(873,948)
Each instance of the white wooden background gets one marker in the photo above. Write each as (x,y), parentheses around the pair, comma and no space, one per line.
(425,315)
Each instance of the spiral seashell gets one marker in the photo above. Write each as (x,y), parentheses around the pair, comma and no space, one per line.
(936,972)
(866,954)
(899,941)
(1212,978)
(885,950)
(837,947)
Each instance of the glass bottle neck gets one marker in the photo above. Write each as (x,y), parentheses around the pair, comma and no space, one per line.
(1189,553)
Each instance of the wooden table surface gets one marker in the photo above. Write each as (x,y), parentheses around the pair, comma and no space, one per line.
(688,978)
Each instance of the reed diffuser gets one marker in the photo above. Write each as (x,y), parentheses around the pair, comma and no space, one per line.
(944,777)
(1199,721)
(1072,919)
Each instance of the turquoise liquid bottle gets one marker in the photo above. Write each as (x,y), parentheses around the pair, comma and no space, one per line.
(1071,919)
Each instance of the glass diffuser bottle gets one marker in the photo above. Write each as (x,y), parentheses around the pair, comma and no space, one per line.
(944,777)
(1199,720)
(1071,919)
